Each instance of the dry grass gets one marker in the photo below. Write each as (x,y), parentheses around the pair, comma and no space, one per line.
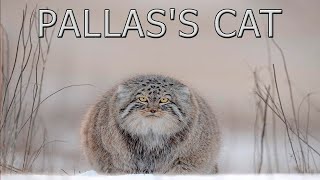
(20,127)
(269,98)
(23,134)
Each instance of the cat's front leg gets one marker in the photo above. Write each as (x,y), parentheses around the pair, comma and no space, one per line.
(183,167)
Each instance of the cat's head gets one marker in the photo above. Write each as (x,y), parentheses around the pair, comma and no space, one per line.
(153,104)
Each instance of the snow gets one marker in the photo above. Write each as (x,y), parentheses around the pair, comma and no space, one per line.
(92,175)
(89,173)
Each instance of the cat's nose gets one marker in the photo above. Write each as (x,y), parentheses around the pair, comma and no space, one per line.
(153,110)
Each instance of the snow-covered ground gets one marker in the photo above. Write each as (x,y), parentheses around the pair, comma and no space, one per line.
(153,177)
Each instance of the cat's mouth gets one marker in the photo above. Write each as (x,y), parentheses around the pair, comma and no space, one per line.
(148,114)
(152,115)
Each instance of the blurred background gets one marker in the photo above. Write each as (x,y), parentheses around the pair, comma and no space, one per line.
(226,72)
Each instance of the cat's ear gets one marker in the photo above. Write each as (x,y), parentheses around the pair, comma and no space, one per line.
(120,89)
(122,93)
(184,92)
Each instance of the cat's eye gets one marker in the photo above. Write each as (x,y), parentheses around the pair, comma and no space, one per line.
(164,100)
(143,99)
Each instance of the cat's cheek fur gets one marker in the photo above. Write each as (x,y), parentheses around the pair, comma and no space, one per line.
(139,125)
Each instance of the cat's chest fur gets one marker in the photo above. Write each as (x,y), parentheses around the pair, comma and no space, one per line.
(149,152)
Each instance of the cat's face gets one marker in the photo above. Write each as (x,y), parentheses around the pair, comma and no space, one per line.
(153,104)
